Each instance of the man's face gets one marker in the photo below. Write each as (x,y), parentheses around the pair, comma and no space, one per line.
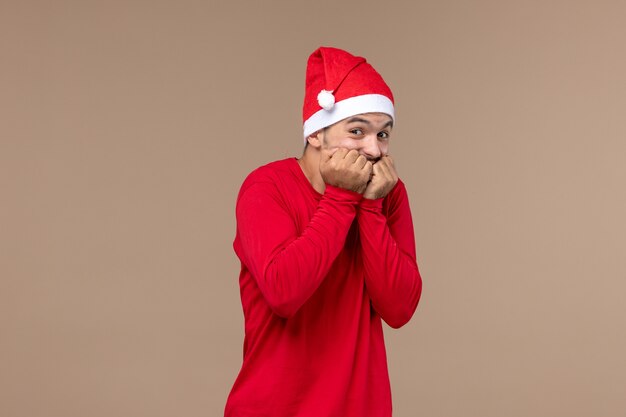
(368,133)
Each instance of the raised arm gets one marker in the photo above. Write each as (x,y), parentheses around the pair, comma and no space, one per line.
(392,277)
(288,264)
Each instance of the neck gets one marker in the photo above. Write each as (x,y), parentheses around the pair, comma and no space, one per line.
(310,165)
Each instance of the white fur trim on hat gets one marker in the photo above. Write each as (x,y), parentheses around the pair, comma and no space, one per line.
(367,103)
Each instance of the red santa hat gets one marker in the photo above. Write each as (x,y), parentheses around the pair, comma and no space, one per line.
(340,85)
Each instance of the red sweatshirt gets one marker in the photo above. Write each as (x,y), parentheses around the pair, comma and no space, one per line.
(318,272)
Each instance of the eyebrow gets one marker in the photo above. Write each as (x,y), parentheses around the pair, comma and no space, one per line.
(357,120)
(367,122)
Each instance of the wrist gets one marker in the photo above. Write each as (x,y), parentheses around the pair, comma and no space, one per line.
(338,192)
(375,204)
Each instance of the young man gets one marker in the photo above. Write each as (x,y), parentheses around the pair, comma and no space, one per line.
(327,250)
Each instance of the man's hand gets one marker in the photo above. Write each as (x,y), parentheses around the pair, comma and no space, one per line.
(383,180)
(345,169)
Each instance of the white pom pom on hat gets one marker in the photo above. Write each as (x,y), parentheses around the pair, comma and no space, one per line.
(326,100)
(340,85)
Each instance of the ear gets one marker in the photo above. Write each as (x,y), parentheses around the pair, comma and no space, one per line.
(316,139)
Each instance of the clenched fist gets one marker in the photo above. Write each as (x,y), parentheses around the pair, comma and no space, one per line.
(345,169)
(384,178)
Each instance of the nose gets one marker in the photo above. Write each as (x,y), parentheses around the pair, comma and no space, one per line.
(370,147)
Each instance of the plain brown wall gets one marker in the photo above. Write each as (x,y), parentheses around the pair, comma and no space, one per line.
(126,128)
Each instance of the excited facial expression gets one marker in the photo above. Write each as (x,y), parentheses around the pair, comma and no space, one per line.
(368,133)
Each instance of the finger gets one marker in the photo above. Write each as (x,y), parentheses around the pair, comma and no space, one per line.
(382,173)
(384,160)
(340,153)
(383,165)
(351,156)
(390,167)
(377,167)
(375,170)
(369,167)
(360,162)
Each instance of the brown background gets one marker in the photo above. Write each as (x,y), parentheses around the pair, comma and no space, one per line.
(126,128)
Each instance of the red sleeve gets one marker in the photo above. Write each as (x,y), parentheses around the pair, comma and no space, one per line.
(392,277)
(289,267)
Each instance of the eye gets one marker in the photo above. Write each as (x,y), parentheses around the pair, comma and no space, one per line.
(356,131)
(383,135)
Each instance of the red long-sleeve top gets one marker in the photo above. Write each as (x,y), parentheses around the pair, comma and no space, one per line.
(318,272)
